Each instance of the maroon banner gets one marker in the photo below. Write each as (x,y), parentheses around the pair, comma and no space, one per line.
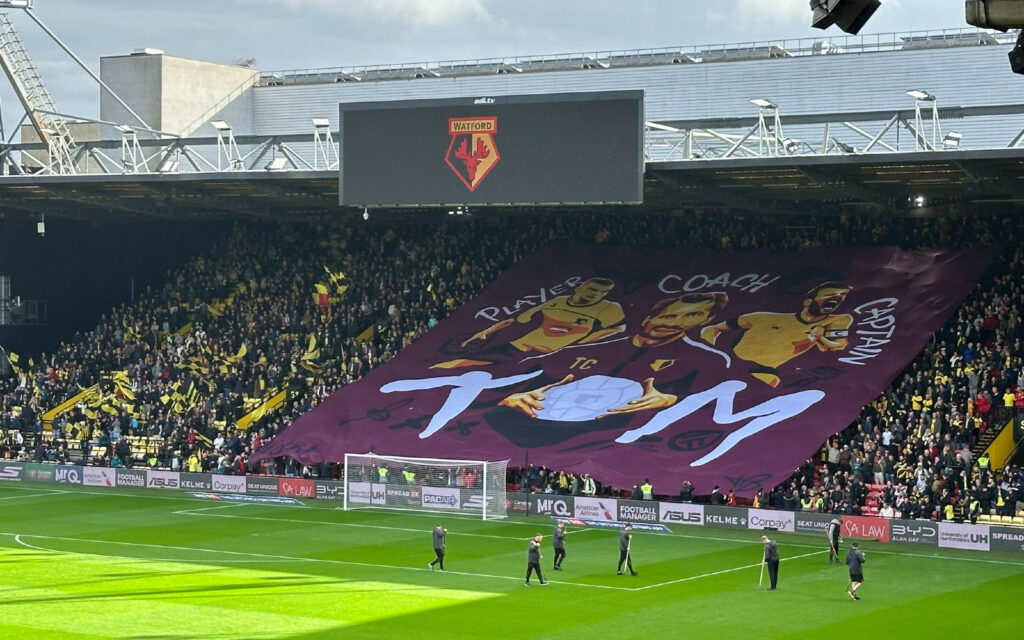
(726,370)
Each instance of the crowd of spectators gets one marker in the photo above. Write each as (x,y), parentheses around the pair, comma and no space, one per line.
(235,326)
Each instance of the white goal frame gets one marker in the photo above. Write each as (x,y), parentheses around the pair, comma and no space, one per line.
(441,480)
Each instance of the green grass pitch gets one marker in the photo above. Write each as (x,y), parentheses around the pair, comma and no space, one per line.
(95,563)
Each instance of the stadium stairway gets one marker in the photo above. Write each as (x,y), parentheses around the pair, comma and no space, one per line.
(987,437)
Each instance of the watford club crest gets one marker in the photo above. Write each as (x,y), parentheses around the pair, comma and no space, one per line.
(472,152)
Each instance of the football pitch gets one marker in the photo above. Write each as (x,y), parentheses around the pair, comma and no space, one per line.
(77,562)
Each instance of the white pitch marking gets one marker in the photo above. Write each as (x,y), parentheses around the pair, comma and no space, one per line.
(18,539)
(34,495)
(717,573)
(18,536)
(188,512)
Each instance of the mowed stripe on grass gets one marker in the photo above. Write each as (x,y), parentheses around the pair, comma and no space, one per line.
(363,574)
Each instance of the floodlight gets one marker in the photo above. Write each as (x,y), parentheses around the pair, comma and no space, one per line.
(917,201)
(791,145)
(764,104)
(366,213)
(321,122)
(123,128)
(220,125)
(1016,54)
(15,4)
(848,15)
(995,14)
(952,140)
(276,164)
(923,96)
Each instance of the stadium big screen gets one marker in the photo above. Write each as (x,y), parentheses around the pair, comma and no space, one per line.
(572,148)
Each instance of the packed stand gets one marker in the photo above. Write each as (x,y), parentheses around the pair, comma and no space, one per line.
(180,367)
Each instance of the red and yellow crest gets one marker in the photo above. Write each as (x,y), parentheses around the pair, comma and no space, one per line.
(472,152)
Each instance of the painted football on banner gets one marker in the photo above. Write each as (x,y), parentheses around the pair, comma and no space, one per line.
(588,398)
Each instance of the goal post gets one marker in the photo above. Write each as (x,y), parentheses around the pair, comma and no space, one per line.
(436,485)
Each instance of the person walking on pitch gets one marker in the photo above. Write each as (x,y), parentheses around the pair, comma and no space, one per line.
(855,560)
(832,533)
(533,560)
(439,534)
(771,560)
(625,542)
(559,541)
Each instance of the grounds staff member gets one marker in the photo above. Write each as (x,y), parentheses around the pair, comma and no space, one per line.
(832,533)
(625,538)
(439,534)
(559,540)
(771,558)
(855,559)
(533,560)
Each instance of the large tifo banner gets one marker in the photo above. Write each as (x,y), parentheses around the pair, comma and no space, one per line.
(726,370)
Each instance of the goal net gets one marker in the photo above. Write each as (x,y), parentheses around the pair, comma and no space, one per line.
(425,484)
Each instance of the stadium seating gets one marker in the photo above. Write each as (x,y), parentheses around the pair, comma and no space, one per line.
(305,310)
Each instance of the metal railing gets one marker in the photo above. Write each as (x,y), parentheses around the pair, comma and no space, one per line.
(704,53)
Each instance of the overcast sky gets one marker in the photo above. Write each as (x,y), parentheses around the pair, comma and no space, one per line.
(296,34)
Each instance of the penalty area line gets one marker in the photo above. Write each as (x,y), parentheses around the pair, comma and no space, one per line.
(190,512)
(48,494)
(271,557)
(18,539)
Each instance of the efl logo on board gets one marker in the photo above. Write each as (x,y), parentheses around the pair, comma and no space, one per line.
(472,152)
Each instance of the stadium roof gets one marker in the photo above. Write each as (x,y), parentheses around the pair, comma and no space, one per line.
(694,54)
(879,182)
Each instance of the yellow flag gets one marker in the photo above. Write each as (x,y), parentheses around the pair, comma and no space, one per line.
(366,335)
